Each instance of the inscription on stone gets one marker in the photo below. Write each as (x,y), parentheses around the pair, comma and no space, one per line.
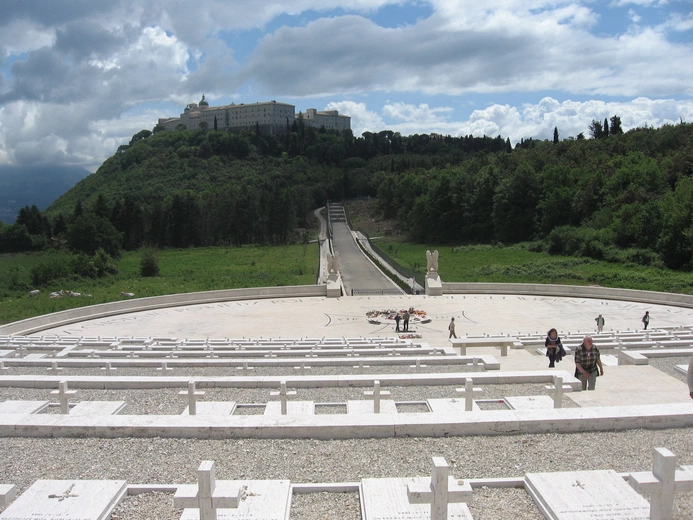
(586,495)
(67,500)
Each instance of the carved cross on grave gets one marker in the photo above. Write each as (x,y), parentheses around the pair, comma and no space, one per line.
(441,490)
(208,495)
(63,394)
(662,483)
(557,390)
(376,394)
(192,395)
(282,395)
(468,392)
(66,494)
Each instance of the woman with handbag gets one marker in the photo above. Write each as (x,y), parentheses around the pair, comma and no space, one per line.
(554,348)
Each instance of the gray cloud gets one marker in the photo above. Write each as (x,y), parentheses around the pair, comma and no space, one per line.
(87,70)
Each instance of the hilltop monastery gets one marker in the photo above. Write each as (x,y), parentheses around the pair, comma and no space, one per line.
(271,117)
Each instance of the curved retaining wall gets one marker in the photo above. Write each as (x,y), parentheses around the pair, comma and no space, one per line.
(570,291)
(58,319)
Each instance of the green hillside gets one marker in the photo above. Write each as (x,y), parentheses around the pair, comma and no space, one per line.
(623,197)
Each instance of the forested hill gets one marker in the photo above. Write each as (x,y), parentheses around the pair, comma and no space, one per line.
(616,196)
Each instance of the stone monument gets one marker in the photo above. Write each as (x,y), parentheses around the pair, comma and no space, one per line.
(334,289)
(434,286)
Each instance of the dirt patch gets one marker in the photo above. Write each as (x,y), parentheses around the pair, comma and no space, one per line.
(364,216)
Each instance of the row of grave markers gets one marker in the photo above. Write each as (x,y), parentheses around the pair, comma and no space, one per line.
(63,394)
(579,495)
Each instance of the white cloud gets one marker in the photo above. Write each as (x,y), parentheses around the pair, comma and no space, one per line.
(85,74)
(362,120)
(529,120)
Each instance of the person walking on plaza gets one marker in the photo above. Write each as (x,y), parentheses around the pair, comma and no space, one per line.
(646,319)
(405,328)
(600,323)
(554,348)
(397,318)
(588,364)
(451,328)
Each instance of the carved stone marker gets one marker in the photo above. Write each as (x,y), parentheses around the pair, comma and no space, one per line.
(376,394)
(440,490)
(586,495)
(67,500)
(207,497)
(260,499)
(662,483)
(393,498)
(63,394)
(192,394)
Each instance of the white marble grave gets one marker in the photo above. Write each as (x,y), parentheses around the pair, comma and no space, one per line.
(450,405)
(67,500)
(529,402)
(91,408)
(27,407)
(292,408)
(212,408)
(386,499)
(358,406)
(260,499)
(586,495)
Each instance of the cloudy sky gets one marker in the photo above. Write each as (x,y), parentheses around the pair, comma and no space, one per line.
(80,77)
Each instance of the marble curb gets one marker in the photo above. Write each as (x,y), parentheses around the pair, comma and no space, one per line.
(294,381)
(501,422)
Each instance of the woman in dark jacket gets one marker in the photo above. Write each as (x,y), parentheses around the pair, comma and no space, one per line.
(554,348)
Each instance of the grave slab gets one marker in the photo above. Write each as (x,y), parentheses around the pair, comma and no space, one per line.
(586,495)
(386,499)
(529,402)
(67,500)
(262,499)
(7,494)
(358,406)
(87,408)
(213,408)
(449,405)
(293,408)
(27,407)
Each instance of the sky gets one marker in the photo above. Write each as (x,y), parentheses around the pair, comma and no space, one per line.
(79,77)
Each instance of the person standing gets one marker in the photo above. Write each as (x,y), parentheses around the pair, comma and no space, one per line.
(397,318)
(451,328)
(690,377)
(600,323)
(646,319)
(554,348)
(588,364)
(405,327)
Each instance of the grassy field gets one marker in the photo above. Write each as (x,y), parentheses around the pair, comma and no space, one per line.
(516,264)
(182,271)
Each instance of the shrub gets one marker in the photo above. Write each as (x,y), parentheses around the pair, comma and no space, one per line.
(49,270)
(149,263)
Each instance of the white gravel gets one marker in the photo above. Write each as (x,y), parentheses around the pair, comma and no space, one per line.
(170,461)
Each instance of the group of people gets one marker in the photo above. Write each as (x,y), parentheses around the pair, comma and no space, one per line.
(588,362)
(404,318)
(600,321)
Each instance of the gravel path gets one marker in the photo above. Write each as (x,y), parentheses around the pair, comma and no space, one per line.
(168,461)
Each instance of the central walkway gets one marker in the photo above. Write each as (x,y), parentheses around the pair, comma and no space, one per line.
(358,272)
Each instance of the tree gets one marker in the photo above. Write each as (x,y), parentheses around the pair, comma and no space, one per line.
(215,124)
(555,135)
(596,130)
(615,128)
(606,127)
(142,134)
(88,233)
